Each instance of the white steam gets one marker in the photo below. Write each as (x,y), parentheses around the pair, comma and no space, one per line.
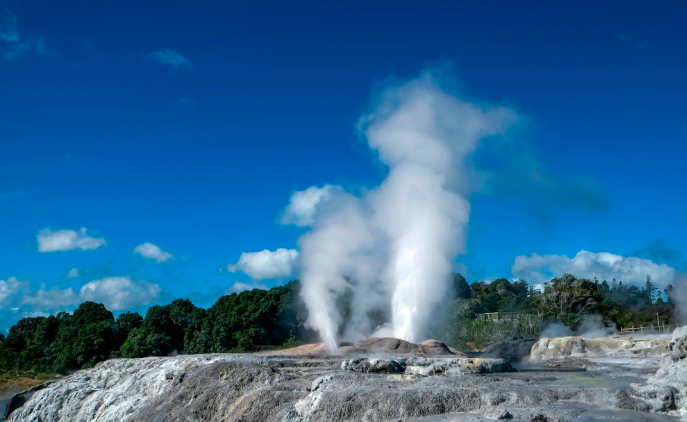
(393,247)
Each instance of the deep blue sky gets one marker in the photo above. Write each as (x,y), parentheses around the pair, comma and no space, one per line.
(201,158)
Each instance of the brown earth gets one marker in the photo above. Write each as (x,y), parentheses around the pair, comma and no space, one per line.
(12,385)
(374,344)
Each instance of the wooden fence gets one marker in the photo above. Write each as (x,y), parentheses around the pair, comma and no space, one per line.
(662,328)
(501,316)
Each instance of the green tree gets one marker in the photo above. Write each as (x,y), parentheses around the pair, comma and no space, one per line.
(567,299)
(461,287)
(649,291)
(84,338)
(188,322)
(154,337)
(127,322)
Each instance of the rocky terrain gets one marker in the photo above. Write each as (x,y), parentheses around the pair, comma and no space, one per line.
(374,380)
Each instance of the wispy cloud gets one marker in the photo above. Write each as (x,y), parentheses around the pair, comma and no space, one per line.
(169,57)
(67,240)
(150,251)
(9,27)
(19,45)
(73,273)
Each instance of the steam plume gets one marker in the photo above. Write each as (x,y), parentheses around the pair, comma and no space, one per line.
(397,242)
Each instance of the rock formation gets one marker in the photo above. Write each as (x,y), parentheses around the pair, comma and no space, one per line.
(377,380)
(563,347)
(384,345)
(513,349)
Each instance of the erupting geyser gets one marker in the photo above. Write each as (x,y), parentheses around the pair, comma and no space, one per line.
(396,243)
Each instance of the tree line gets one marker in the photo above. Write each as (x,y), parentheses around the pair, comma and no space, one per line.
(251,319)
(567,300)
(235,323)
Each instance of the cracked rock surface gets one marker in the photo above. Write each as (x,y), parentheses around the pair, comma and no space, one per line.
(256,388)
(391,387)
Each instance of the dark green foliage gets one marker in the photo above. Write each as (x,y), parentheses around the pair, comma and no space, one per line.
(157,336)
(461,287)
(174,328)
(567,299)
(126,323)
(501,295)
(240,322)
(251,319)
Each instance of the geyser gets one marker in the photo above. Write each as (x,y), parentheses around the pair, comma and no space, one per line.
(397,242)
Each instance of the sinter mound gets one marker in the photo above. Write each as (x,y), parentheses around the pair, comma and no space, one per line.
(374,345)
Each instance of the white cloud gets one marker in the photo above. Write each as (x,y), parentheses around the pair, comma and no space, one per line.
(266,264)
(171,58)
(537,269)
(120,293)
(19,45)
(239,287)
(19,300)
(73,273)
(66,240)
(150,251)
(303,205)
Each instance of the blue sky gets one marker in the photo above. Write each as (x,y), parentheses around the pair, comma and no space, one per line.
(189,125)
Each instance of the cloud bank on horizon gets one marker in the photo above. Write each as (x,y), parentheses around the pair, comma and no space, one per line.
(538,269)
(18,299)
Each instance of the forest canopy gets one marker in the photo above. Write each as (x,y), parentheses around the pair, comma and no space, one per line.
(257,319)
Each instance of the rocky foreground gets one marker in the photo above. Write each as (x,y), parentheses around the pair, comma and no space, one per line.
(376,380)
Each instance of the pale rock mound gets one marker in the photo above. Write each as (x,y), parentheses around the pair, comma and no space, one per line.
(382,345)
(667,389)
(565,347)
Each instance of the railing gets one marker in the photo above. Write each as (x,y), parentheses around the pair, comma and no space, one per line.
(648,329)
(501,316)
